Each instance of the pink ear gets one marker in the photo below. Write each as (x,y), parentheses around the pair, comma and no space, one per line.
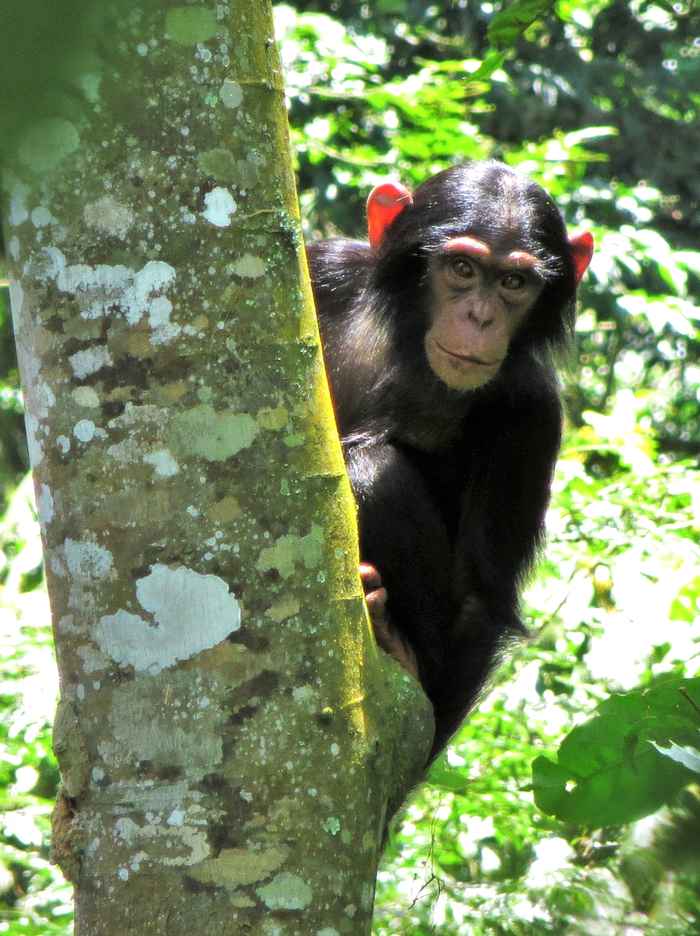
(581,252)
(385,202)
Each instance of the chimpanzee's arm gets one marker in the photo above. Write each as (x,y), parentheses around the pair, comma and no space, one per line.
(509,469)
(404,538)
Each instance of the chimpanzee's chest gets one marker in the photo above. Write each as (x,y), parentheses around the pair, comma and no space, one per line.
(445,475)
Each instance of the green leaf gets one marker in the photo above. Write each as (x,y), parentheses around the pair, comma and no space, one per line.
(576,137)
(493,61)
(390,6)
(451,779)
(690,259)
(609,769)
(661,312)
(508,25)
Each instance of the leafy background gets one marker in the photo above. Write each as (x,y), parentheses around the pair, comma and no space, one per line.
(515,833)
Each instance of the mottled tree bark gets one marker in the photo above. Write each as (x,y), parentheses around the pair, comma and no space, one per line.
(231,741)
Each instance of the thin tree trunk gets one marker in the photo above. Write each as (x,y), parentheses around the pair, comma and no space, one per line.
(231,741)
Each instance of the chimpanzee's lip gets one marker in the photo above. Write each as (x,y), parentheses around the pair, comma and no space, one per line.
(469,358)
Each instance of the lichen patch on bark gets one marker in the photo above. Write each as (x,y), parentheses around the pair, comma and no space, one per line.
(191,612)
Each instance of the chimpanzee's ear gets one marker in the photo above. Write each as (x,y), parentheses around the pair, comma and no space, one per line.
(581,252)
(385,202)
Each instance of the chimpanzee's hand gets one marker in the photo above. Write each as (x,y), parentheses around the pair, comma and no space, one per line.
(386,636)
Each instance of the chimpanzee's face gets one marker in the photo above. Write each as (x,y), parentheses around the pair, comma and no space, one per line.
(480,296)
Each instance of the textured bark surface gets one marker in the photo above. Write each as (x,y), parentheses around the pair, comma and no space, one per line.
(229,736)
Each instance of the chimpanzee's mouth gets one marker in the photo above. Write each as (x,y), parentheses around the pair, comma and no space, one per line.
(468,358)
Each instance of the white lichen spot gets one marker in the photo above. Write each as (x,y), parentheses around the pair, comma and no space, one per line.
(67,624)
(126,452)
(249,266)
(36,451)
(303,695)
(219,206)
(176,818)
(139,415)
(13,247)
(126,830)
(193,512)
(159,319)
(47,264)
(17,307)
(39,397)
(163,462)
(42,217)
(154,278)
(97,774)
(90,83)
(123,874)
(84,430)
(191,612)
(332,825)
(18,203)
(90,361)
(168,843)
(63,443)
(335,749)
(286,892)
(86,560)
(93,660)
(246,796)
(102,289)
(159,312)
(86,396)
(45,505)
(97,289)
(231,93)
(109,217)
(142,48)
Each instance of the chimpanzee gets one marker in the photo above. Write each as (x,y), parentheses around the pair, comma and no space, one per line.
(439,338)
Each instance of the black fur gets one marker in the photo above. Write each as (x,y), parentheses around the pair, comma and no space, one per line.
(452,487)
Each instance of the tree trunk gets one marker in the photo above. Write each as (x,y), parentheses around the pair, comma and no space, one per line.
(231,741)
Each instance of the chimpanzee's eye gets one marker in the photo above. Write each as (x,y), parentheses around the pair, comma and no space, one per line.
(462,267)
(514,281)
